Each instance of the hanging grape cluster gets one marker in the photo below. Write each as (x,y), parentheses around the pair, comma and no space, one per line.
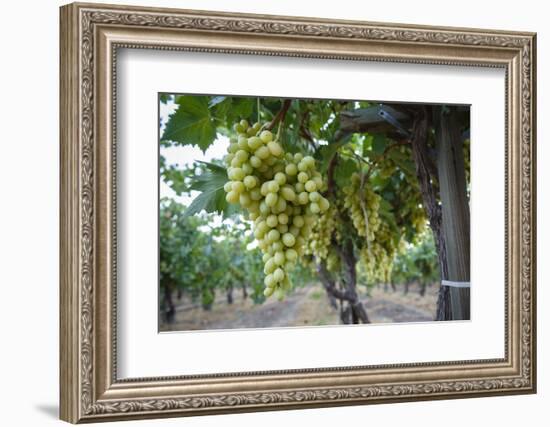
(378,250)
(363,212)
(319,241)
(319,245)
(377,257)
(282,195)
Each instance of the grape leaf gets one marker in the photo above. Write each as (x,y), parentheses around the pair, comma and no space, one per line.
(242,108)
(327,151)
(344,170)
(378,144)
(404,162)
(367,145)
(191,123)
(212,195)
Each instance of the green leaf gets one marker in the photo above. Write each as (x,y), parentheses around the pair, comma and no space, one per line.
(344,169)
(243,107)
(327,151)
(212,197)
(367,145)
(378,144)
(191,124)
(404,162)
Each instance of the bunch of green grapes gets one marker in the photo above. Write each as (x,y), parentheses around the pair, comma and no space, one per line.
(354,206)
(377,257)
(324,230)
(418,219)
(281,194)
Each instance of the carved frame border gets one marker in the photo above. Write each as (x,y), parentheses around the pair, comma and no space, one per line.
(90,36)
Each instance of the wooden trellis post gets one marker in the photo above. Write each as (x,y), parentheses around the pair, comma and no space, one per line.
(455,208)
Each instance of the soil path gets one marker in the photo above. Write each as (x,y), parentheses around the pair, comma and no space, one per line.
(306,306)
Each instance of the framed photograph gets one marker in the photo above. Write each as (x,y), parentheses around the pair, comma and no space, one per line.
(267,212)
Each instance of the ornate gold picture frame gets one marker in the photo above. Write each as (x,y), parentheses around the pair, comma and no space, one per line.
(90,37)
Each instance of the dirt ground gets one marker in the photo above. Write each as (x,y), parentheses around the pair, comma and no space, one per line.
(307,306)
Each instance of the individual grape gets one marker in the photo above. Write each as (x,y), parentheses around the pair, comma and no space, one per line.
(302,166)
(278,275)
(303,177)
(271,199)
(270,281)
(289,240)
(279,258)
(255,162)
(244,124)
(280,178)
(242,143)
(241,155)
(254,143)
(318,182)
(235,163)
(238,187)
(273,235)
(314,196)
(298,221)
(324,204)
(266,136)
(288,193)
(291,255)
(310,186)
(280,206)
(273,186)
(233,147)
(262,153)
(309,161)
(291,169)
(249,181)
(247,168)
(232,197)
(272,221)
(275,148)
(282,218)
(303,198)
(236,174)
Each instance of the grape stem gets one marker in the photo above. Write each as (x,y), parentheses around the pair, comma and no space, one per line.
(280,115)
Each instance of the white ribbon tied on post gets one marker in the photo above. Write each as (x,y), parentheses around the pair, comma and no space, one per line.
(452,284)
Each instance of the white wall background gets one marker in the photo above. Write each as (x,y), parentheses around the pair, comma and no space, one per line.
(29,170)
